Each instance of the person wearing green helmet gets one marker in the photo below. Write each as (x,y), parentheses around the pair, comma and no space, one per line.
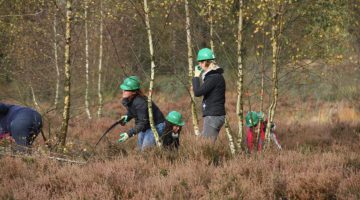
(213,92)
(136,104)
(171,135)
(251,121)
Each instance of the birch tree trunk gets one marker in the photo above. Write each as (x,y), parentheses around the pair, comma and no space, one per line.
(87,62)
(152,77)
(100,95)
(275,25)
(67,71)
(230,136)
(190,62)
(212,46)
(56,62)
(262,64)
(34,98)
(240,103)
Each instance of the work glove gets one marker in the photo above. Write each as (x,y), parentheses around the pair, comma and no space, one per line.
(123,137)
(197,71)
(123,120)
(273,127)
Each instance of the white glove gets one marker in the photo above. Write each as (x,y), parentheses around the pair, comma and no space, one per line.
(197,71)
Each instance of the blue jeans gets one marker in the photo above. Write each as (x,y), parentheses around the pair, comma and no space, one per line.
(146,138)
(25,126)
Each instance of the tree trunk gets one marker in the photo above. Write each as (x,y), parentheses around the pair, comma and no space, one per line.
(230,136)
(87,110)
(275,25)
(190,62)
(262,64)
(56,62)
(240,103)
(152,77)
(67,71)
(34,98)
(212,46)
(100,95)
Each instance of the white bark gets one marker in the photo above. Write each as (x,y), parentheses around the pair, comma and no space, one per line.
(190,63)
(100,95)
(239,104)
(276,23)
(87,110)
(34,98)
(230,137)
(56,62)
(152,77)
(67,71)
(212,46)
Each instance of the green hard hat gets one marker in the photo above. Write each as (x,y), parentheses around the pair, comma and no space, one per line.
(261,116)
(175,117)
(130,83)
(205,54)
(251,119)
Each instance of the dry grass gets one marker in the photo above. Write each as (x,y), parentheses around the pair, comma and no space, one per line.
(320,160)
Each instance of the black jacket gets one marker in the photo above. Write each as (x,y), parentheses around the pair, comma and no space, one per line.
(137,108)
(171,141)
(213,90)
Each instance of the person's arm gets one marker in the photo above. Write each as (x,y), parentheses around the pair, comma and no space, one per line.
(205,88)
(4,109)
(143,119)
(129,116)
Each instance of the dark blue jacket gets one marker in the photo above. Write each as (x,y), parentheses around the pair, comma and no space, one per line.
(7,114)
(213,90)
(137,108)
(23,123)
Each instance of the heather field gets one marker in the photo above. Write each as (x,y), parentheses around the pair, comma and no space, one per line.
(77,62)
(319,160)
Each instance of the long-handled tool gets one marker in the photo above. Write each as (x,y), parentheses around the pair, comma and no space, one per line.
(109,129)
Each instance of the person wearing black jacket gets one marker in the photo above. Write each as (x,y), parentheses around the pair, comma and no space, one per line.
(213,92)
(171,135)
(136,104)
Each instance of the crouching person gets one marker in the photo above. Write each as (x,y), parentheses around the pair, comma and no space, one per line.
(251,121)
(23,124)
(273,137)
(136,104)
(171,135)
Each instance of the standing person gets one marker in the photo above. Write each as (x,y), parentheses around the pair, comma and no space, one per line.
(136,104)
(213,92)
(23,124)
(171,135)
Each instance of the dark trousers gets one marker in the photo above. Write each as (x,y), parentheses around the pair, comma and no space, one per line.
(25,126)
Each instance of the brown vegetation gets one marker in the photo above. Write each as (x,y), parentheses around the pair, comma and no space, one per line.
(319,161)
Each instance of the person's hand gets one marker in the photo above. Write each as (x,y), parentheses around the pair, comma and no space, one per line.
(197,71)
(273,127)
(123,120)
(123,137)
